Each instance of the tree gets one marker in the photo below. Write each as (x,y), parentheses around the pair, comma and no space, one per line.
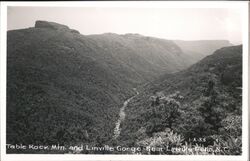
(164,112)
(210,108)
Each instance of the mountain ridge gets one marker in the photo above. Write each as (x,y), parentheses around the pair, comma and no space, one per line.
(62,84)
(199,49)
(194,50)
(65,87)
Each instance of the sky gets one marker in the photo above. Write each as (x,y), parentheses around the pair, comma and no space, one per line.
(167,23)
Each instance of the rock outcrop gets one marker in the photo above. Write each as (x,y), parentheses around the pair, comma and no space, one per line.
(54,26)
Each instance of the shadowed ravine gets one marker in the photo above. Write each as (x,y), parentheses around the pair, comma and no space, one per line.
(122,116)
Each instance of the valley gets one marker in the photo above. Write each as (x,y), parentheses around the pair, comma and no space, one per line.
(121,90)
(122,116)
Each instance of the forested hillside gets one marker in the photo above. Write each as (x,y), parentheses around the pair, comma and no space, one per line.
(67,88)
(203,101)
(64,87)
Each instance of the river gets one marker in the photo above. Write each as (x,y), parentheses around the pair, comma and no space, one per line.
(122,116)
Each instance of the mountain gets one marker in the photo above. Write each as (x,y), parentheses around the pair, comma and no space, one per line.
(199,49)
(163,55)
(67,88)
(202,101)
(61,87)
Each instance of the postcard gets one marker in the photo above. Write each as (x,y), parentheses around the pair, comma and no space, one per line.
(136,80)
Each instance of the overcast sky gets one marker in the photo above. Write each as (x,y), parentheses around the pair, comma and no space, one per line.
(184,24)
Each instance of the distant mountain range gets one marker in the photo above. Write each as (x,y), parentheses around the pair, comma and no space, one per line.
(199,49)
(64,87)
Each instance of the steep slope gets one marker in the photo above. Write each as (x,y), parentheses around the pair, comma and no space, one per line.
(67,88)
(164,55)
(60,88)
(203,101)
(199,49)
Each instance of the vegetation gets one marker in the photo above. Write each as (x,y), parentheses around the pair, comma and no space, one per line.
(66,88)
(205,112)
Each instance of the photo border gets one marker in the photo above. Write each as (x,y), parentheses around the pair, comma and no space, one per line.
(243,5)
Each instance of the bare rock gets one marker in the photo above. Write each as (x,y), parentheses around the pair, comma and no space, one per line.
(54,26)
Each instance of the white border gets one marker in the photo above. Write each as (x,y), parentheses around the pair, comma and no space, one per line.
(243,5)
